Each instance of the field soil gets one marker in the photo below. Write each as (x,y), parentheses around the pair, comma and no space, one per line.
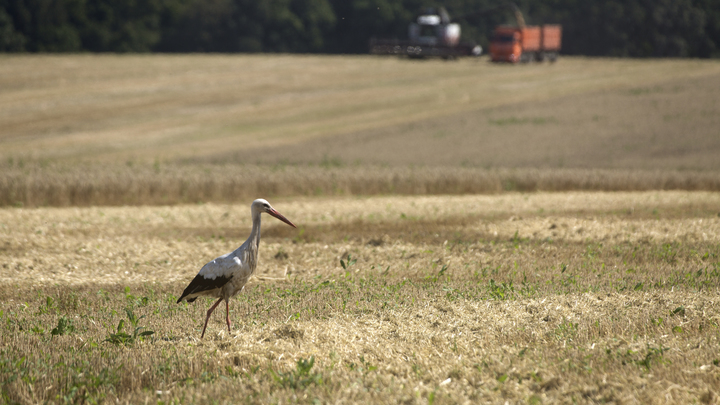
(670,125)
(270,109)
(518,298)
(467,232)
(87,130)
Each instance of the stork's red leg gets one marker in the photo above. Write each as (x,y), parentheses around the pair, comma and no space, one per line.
(227,313)
(207,318)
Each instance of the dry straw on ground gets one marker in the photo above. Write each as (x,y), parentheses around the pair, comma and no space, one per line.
(519,298)
(437,297)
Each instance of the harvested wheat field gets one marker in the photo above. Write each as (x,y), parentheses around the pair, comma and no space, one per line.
(147,107)
(422,271)
(84,130)
(577,297)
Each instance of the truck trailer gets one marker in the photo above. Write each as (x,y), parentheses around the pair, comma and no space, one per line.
(525,43)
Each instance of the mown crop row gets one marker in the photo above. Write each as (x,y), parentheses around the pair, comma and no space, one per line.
(137,184)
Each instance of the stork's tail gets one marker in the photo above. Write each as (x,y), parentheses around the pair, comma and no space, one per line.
(188,300)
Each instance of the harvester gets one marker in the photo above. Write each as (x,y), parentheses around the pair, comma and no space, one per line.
(432,34)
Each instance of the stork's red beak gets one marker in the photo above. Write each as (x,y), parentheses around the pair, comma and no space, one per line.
(280,217)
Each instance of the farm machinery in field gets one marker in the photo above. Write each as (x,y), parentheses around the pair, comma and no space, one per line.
(524,43)
(433,34)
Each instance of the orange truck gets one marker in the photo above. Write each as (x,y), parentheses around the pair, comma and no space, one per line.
(525,43)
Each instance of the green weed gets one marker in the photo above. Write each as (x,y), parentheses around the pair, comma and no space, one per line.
(500,292)
(120,337)
(346,264)
(299,378)
(65,326)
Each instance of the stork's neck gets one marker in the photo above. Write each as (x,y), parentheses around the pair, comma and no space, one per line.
(254,238)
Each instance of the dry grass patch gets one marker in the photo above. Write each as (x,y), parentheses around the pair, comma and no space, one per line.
(133,244)
(441,299)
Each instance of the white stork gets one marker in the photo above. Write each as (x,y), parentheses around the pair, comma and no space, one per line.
(226,275)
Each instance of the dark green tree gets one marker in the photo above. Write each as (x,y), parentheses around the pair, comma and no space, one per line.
(250,26)
(624,28)
(121,26)
(11,40)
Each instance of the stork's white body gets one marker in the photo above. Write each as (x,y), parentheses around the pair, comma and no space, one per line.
(239,265)
(226,275)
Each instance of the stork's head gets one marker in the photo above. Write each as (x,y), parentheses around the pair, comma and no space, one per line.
(260,205)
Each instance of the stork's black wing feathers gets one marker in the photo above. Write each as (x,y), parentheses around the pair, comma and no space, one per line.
(200,284)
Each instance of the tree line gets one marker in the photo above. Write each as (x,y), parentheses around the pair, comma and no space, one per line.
(624,28)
